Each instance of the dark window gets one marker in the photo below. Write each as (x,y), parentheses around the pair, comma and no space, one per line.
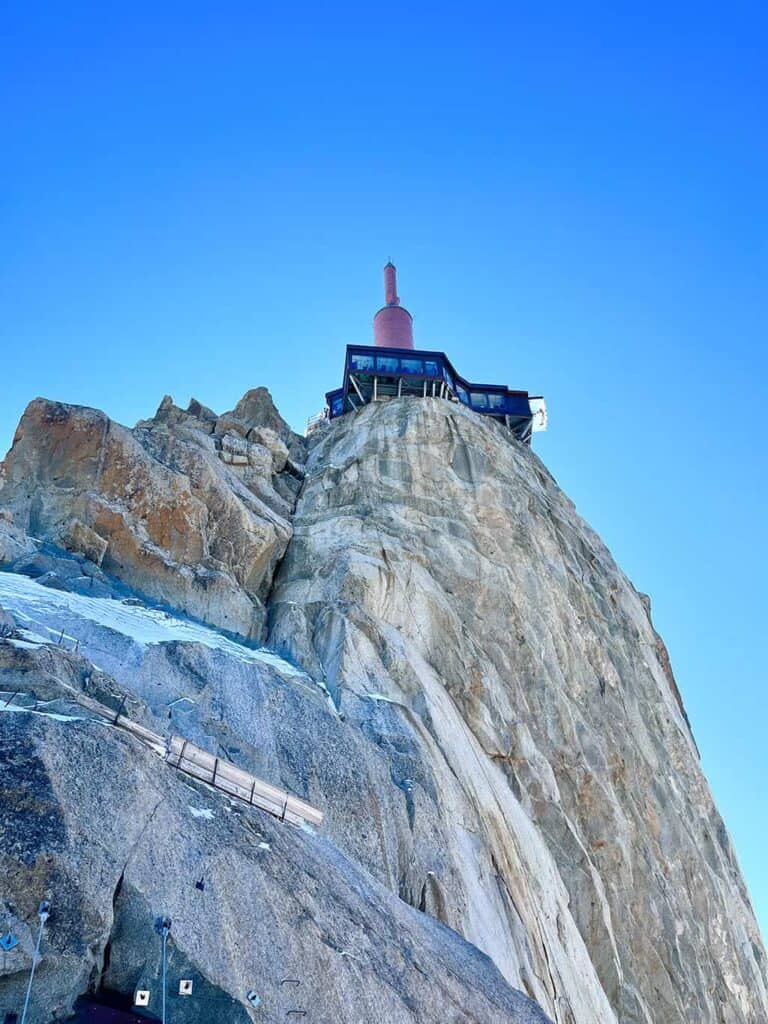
(386,364)
(496,402)
(361,363)
(412,366)
(431,368)
(337,406)
(479,399)
(463,396)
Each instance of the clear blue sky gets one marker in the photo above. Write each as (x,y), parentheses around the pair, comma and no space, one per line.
(199,199)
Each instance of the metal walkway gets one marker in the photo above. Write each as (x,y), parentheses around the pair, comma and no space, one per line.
(184,756)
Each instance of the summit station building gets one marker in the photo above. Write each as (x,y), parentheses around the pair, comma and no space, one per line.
(392,367)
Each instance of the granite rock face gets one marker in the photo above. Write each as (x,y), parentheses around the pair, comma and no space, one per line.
(517,828)
(190,509)
(437,564)
(96,823)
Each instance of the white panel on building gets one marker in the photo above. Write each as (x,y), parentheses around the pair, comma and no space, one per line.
(539,413)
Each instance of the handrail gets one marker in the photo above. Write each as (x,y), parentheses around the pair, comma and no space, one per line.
(187,757)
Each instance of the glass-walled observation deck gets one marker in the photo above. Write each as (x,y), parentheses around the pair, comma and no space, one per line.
(373,374)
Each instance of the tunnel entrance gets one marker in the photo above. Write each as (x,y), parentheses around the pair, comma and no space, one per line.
(108,1008)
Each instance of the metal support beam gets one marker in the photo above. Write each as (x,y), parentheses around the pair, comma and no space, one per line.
(375,388)
(354,384)
(399,387)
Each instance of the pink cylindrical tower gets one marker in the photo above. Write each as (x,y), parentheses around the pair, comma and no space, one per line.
(392,325)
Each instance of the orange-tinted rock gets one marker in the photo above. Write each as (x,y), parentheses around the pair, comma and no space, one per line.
(156,506)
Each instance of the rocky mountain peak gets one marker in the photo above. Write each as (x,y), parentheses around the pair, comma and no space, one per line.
(455,672)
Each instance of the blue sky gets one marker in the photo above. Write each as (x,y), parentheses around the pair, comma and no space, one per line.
(199,199)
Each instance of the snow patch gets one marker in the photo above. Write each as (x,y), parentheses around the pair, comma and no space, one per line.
(36,605)
(8,704)
(183,701)
(201,812)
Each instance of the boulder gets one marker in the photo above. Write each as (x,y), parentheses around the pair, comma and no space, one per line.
(257,410)
(14,542)
(76,536)
(43,562)
(201,412)
(272,441)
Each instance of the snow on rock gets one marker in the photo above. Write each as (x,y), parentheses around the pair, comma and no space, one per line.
(49,612)
(201,812)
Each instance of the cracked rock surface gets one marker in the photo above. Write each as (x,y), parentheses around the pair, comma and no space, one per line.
(116,839)
(190,509)
(517,828)
(438,565)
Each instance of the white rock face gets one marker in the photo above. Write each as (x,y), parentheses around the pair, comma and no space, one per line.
(436,565)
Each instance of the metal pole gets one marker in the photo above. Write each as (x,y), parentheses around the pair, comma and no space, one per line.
(165,941)
(166,927)
(43,913)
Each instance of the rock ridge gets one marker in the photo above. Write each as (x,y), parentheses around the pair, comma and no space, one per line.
(517,827)
(190,509)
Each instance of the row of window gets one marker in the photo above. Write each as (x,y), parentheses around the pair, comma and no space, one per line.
(490,400)
(359,363)
(494,402)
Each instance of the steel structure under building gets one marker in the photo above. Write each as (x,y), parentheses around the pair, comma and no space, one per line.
(392,368)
